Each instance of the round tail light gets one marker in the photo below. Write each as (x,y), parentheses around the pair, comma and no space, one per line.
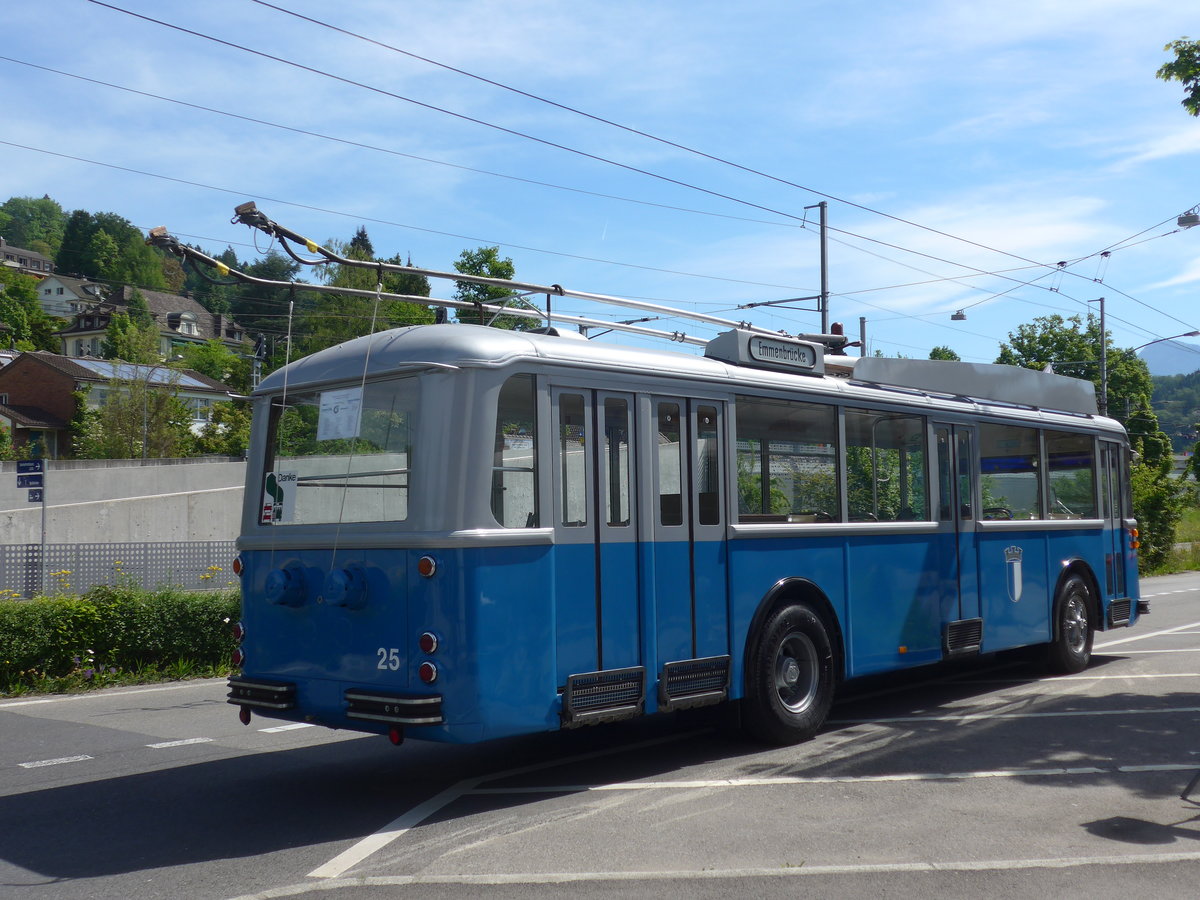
(428,672)
(428,642)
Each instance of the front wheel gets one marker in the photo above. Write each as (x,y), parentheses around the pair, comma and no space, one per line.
(790,676)
(1074,629)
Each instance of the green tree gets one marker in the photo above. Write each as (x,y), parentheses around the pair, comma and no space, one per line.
(1184,68)
(943,352)
(264,309)
(227,432)
(127,341)
(330,318)
(217,361)
(1072,347)
(134,420)
(28,326)
(33,224)
(486,262)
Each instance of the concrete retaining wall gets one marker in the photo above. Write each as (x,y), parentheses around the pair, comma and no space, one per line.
(115,501)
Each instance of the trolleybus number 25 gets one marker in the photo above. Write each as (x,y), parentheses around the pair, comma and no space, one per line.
(389,658)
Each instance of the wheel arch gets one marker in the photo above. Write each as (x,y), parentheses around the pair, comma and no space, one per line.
(794,589)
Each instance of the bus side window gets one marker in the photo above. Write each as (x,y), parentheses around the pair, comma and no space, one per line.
(670,450)
(514,458)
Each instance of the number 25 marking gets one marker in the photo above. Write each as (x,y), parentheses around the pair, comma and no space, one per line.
(389,658)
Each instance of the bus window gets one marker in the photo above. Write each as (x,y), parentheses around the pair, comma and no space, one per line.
(572,437)
(885,467)
(786,461)
(514,460)
(708,488)
(1071,474)
(615,465)
(341,455)
(670,449)
(1008,466)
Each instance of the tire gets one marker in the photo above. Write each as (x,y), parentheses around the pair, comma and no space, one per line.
(1074,627)
(790,676)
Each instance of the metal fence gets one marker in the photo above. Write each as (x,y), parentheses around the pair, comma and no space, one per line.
(29,569)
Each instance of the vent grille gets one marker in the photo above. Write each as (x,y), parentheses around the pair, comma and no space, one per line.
(964,636)
(694,682)
(1119,612)
(605,696)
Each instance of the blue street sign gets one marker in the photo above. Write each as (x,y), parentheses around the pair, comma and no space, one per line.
(25,466)
(35,495)
(30,481)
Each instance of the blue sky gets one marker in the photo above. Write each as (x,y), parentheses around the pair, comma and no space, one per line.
(964,149)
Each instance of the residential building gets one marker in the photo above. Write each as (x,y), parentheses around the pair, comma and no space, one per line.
(37,395)
(27,262)
(180,320)
(64,296)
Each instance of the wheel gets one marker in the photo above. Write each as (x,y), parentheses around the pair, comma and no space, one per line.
(790,676)
(1070,650)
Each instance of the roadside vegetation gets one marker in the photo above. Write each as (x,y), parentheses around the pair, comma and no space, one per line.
(114,636)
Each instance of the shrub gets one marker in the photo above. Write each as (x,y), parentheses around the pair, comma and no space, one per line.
(112,632)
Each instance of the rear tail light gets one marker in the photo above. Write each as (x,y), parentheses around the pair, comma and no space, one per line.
(239,632)
(1133,538)
(428,642)
(237,658)
(426,566)
(428,672)
(237,566)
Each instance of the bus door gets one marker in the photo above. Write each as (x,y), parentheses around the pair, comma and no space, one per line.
(687,556)
(1112,492)
(957,559)
(597,592)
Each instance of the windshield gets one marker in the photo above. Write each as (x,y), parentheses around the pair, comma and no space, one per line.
(340,455)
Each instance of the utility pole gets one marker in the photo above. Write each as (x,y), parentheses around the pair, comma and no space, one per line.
(823,299)
(1102,400)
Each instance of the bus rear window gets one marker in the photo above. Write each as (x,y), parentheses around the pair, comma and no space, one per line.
(341,455)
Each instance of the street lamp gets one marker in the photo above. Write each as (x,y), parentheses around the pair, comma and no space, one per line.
(1160,340)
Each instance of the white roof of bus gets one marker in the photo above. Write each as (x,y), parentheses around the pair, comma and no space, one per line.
(932,382)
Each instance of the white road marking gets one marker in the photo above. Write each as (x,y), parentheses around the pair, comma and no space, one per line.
(783,780)
(95,695)
(798,871)
(292,727)
(399,826)
(53,762)
(1142,637)
(984,716)
(184,742)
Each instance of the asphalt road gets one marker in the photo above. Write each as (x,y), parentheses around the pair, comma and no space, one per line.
(948,783)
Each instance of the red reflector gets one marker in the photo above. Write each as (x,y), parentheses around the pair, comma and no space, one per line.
(428,672)
(426,566)
(239,632)
(237,658)
(237,566)
(244,715)
(428,642)
(395,735)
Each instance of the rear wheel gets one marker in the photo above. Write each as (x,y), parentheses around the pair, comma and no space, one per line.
(789,676)
(1074,627)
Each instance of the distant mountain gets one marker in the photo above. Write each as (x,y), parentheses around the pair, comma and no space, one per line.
(1172,358)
